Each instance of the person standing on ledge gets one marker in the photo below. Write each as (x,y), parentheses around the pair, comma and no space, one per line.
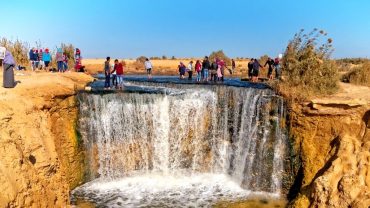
(148,66)
(8,65)
(250,69)
(107,73)
(119,71)
(256,69)
(198,69)
(190,70)
(271,64)
(205,67)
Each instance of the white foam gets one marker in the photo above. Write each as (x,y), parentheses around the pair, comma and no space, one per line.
(177,190)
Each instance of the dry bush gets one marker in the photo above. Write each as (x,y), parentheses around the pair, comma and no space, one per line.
(139,63)
(18,49)
(221,55)
(69,49)
(307,68)
(360,75)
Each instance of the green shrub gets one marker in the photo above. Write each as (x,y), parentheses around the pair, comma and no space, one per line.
(306,66)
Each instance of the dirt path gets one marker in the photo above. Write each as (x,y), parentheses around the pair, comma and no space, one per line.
(348,94)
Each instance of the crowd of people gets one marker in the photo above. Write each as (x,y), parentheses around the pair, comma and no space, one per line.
(40,59)
(206,70)
(214,70)
(254,69)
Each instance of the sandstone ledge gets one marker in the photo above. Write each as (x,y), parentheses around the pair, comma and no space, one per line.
(38,147)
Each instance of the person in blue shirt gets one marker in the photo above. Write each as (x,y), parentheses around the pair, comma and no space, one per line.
(46,57)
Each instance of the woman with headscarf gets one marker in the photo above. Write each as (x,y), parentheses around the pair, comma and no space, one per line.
(8,73)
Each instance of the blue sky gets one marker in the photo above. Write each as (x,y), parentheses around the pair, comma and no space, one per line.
(187,28)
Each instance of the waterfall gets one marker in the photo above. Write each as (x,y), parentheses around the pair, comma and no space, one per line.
(186,131)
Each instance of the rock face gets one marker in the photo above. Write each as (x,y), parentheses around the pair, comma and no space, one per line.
(39,158)
(332,137)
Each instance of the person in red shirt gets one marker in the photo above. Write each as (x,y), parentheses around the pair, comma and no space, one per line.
(119,71)
(198,69)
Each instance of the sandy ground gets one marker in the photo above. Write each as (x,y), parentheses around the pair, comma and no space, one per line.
(32,85)
(348,94)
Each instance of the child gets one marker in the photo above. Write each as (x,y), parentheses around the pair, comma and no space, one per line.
(219,73)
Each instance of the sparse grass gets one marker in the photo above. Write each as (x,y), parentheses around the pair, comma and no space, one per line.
(354,61)
(307,67)
(359,75)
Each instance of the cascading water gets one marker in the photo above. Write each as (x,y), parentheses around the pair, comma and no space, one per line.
(184,145)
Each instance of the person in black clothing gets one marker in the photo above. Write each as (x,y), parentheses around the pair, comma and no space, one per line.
(213,70)
(256,70)
(271,63)
(250,69)
(205,67)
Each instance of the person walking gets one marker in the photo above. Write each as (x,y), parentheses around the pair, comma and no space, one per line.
(8,73)
(46,58)
(59,59)
(119,71)
(198,69)
(250,69)
(148,66)
(205,67)
(190,70)
(270,63)
(32,59)
(256,69)
(107,73)
(277,68)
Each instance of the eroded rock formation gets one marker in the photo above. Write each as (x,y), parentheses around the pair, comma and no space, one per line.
(333,138)
(39,156)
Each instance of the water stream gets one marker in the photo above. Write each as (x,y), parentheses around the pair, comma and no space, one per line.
(171,145)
